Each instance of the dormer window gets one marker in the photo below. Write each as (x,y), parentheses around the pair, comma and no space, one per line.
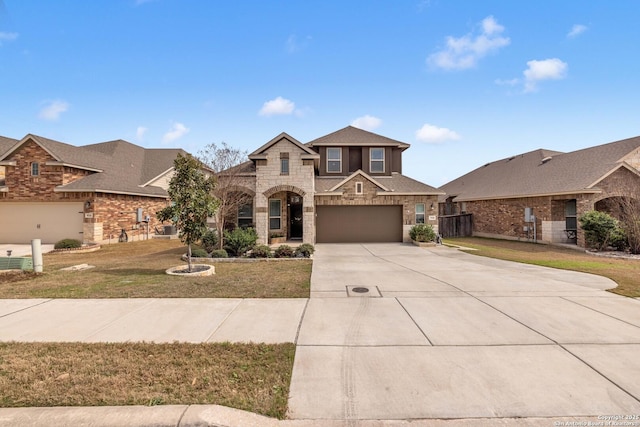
(376,160)
(334,160)
(35,169)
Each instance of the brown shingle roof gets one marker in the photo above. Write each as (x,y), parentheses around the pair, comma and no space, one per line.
(542,172)
(119,166)
(6,144)
(356,137)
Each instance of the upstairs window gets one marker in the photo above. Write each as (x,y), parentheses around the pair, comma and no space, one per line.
(334,160)
(419,213)
(376,160)
(284,163)
(35,169)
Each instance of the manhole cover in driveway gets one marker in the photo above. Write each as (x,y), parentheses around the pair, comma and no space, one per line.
(363,291)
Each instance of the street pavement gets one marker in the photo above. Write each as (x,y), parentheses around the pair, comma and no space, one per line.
(440,337)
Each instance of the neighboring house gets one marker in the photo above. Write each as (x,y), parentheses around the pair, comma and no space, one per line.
(343,187)
(51,190)
(557,187)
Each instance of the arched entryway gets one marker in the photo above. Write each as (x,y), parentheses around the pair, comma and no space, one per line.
(285,212)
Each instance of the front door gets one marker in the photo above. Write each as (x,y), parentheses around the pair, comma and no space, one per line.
(295,220)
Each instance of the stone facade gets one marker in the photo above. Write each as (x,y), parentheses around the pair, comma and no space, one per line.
(272,183)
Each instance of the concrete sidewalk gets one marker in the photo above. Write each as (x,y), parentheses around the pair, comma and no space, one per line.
(439,338)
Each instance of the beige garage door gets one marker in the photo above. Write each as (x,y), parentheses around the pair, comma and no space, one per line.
(49,222)
(358,224)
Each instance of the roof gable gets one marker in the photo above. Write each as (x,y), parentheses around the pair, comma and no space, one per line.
(352,136)
(355,174)
(260,153)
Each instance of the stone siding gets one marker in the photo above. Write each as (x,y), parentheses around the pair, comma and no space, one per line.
(270,181)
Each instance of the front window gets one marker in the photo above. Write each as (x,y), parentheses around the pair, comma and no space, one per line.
(3,181)
(245,215)
(275,214)
(419,213)
(377,160)
(35,169)
(334,160)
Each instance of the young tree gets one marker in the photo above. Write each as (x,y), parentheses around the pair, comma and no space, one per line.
(227,163)
(191,194)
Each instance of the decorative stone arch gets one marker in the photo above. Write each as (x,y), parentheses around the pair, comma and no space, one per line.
(289,188)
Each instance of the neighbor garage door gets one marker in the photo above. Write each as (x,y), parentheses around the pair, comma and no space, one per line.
(358,224)
(49,222)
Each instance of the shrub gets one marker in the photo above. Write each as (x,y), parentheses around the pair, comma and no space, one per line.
(210,241)
(219,253)
(422,233)
(284,251)
(305,250)
(601,230)
(261,251)
(239,241)
(68,244)
(199,253)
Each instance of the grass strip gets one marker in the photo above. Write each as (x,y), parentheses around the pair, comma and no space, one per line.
(625,272)
(251,377)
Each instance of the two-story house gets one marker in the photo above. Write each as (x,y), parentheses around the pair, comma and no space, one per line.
(50,190)
(347,186)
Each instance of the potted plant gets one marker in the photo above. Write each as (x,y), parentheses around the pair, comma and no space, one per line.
(277,238)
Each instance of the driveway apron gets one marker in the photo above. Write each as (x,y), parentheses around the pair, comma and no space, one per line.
(393,331)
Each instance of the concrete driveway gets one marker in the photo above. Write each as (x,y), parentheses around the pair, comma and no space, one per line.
(443,334)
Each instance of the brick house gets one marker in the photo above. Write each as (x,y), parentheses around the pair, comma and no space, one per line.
(343,187)
(556,187)
(51,190)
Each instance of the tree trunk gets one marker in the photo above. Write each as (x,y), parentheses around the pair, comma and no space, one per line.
(189,256)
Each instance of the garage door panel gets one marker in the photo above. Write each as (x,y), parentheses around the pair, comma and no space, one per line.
(49,222)
(358,224)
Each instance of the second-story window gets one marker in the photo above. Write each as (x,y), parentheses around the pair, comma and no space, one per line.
(377,160)
(334,160)
(284,166)
(35,169)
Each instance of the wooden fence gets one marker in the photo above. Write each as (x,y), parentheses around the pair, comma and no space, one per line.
(455,225)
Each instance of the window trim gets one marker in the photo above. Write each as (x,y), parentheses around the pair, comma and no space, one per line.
(339,160)
(372,160)
(279,217)
(359,188)
(423,213)
(37,167)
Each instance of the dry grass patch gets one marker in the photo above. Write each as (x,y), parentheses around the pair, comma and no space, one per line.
(137,270)
(625,272)
(251,377)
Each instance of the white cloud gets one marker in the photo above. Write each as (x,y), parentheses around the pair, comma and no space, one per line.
(7,37)
(547,69)
(53,109)
(278,106)
(434,134)
(294,44)
(366,122)
(140,132)
(177,131)
(576,30)
(464,52)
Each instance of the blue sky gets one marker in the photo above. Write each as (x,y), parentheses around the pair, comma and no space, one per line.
(463,82)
